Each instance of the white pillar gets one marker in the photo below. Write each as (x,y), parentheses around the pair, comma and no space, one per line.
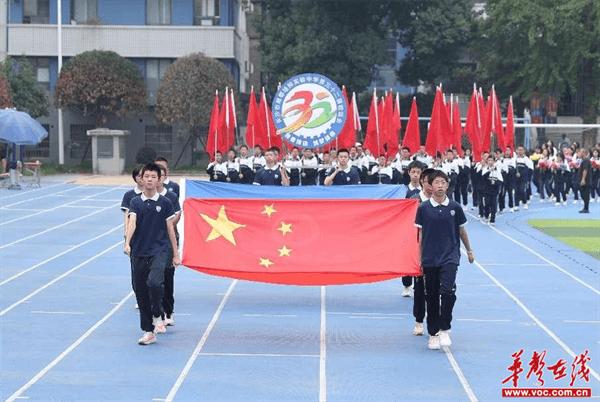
(61,136)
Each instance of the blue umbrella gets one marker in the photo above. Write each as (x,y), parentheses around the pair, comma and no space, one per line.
(20,128)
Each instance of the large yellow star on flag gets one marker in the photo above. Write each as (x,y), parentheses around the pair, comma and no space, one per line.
(285,228)
(269,210)
(265,262)
(221,226)
(284,251)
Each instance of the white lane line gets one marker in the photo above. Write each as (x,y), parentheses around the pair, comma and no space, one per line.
(57,312)
(43,211)
(256,355)
(43,196)
(581,322)
(376,318)
(200,345)
(367,314)
(480,320)
(516,264)
(68,350)
(269,315)
(564,271)
(22,209)
(58,278)
(32,191)
(57,226)
(550,333)
(461,377)
(39,264)
(323,349)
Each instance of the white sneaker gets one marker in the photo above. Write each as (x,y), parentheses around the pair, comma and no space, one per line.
(169,321)
(574,202)
(418,329)
(526,206)
(406,291)
(557,203)
(512,210)
(445,338)
(492,223)
(136,306)
(159,325)
(434,342)
(147,339)
(564,203)
(515,208)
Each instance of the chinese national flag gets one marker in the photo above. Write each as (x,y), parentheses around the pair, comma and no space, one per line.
(302,242)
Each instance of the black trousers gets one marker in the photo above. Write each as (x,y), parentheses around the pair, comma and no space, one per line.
(168,298)
(440,294)
(521,189)
(489,206)
(508,189)
(419,299)
(463,181)
(407,280)
(585,196)
(560,187)
(149,278)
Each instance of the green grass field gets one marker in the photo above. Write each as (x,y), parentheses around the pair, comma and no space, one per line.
(581,234)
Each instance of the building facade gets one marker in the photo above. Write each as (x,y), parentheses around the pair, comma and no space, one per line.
(150,33)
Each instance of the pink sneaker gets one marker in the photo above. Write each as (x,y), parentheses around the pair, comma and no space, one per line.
(159,325)
(147,339)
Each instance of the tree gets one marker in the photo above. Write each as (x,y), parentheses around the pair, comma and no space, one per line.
(24,90)
(187,92)
(552,46)
(5,97)
(340,39)
(100,84)
(435,34)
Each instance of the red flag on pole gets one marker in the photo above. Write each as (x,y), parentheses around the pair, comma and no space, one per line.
(224,121)
(509,134)
(493,123)
(268,124)
(473,126)
(457,127)
(412,136)
(251,121)
(347,136)
(439,133)
(290,242)
(373,140)
(213,129)
(233,120)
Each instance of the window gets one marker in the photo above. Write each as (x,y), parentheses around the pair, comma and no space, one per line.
(155,71)
(41,71)
(80,145)
(41,150)
(105,147)
(206,12)
(84,11)
(36,11)
(160,138)
(158,12)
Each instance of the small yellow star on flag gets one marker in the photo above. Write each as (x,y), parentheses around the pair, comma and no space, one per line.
(265,262)
(222,226)
(284,251)
(285,228)
(269,210)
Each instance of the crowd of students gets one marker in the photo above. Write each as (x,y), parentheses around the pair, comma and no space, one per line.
(504,180)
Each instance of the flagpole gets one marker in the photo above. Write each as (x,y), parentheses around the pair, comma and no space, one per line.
(266,117)
(376,118)
(216,128)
